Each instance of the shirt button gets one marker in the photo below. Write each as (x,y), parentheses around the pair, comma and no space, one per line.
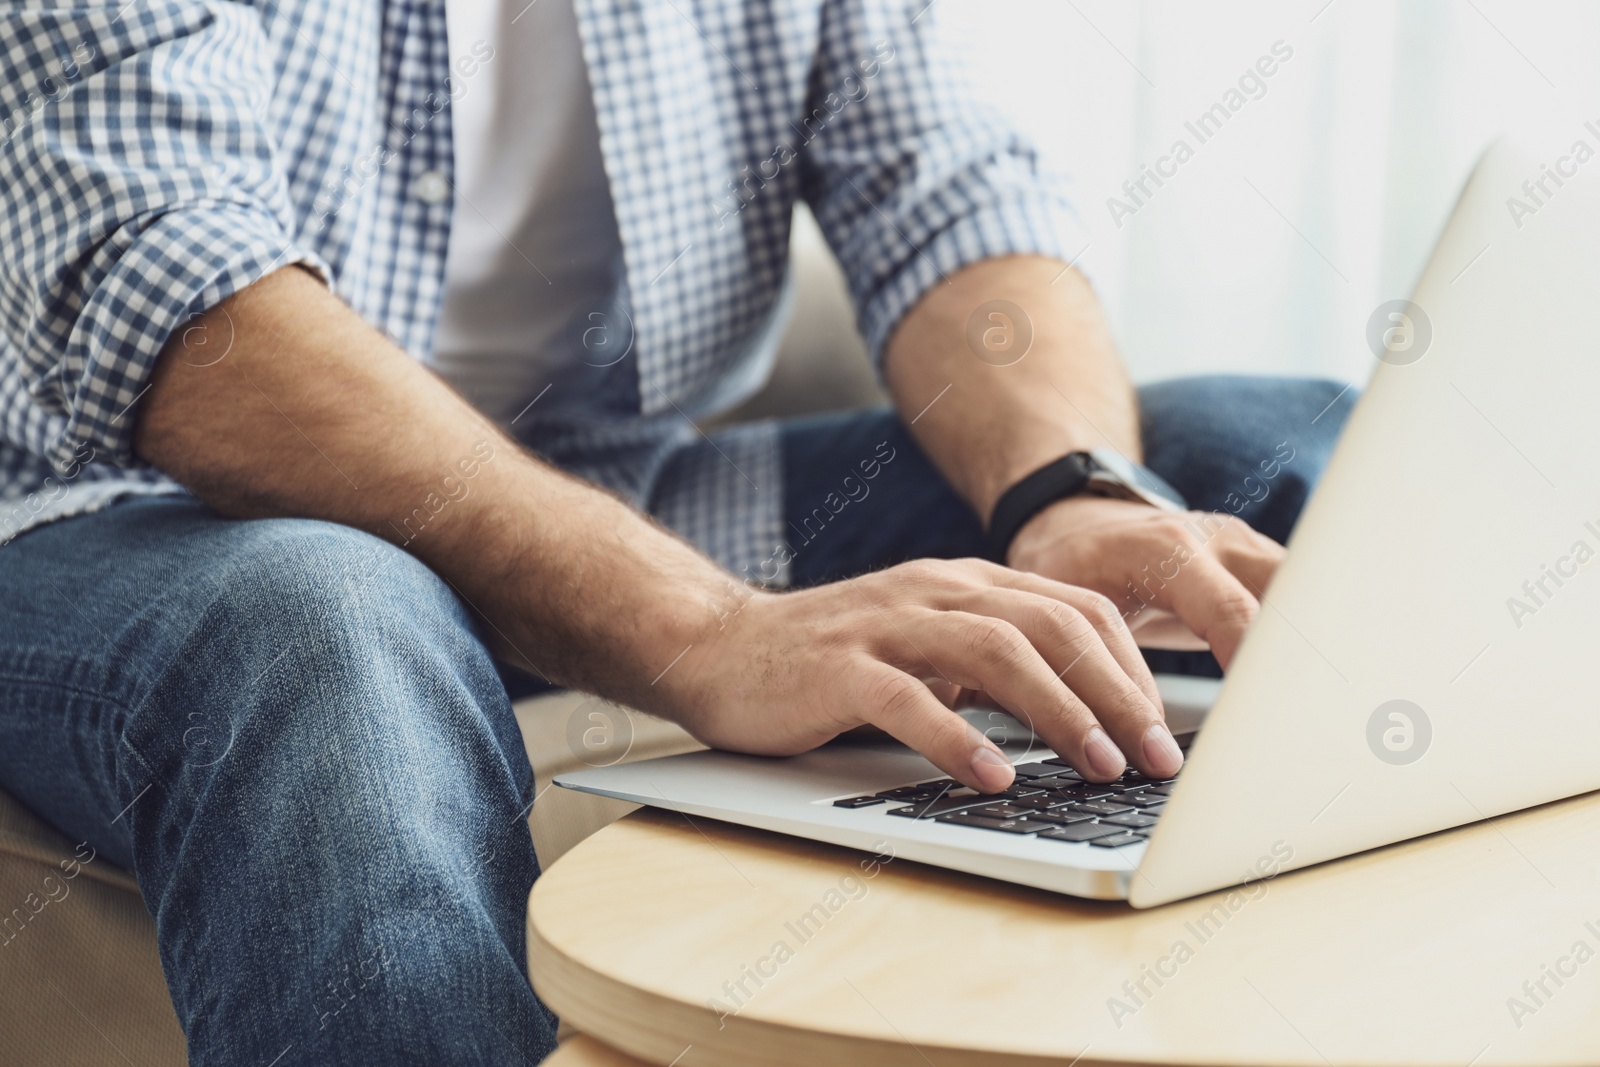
(431,187)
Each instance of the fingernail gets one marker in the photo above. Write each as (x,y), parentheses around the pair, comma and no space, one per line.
(1161,752)
(991,770)
(1105,759)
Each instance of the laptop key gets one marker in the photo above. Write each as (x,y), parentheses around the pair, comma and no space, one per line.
(1072,787)
(1065,765)
(1003,811)
(1085,791)
(1061,816)
(1100,807)
(1037,770)
(1162,789)
(1010,826)
(910,792)
(1116,841)
(1084,831)
(1131,820)
(936,806)
(1041,802)
(1142,800)
(859,802)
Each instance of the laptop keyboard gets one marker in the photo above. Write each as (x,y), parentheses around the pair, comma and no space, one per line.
(1048,800)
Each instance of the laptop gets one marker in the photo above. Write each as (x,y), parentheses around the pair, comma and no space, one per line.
(1423,658)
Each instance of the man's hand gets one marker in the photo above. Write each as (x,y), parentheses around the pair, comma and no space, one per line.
(305,410)
(791,670)
(1182,579)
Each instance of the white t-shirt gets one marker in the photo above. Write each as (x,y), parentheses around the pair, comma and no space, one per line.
(533,242)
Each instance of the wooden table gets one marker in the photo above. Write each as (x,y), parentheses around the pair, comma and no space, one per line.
(583,1051)
(684,944)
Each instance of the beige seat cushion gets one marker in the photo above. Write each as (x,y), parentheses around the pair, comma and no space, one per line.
(80,981)
(79,976)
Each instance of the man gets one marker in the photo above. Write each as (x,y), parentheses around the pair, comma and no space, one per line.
(345,272)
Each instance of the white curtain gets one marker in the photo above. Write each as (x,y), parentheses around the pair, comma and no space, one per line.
(1318,193)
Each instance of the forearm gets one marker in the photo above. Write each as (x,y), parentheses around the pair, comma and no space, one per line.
(283,402)
(996,423)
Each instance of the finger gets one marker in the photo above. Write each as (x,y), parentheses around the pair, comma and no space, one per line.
(1213,603)
(1076,651)
(1252,557)
(906,709)
(950,694)
(1156,628)
(983,652)
(1102,612)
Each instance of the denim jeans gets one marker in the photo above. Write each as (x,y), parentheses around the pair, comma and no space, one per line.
(294,736)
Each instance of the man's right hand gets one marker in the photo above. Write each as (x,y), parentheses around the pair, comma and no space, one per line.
(789,671)
(305,410)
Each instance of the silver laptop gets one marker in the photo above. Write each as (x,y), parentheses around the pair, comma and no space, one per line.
(1423,659)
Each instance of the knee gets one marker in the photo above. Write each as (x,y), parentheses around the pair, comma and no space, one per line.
(1244,416)
(1306,417)
(312,645)
(329,692)
(1314,411)
(327,587)
(296,603)
(1251,446)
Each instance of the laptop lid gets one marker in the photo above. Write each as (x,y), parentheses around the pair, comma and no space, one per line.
(1423,657)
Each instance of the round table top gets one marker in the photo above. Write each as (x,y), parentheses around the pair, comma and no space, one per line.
(702,943)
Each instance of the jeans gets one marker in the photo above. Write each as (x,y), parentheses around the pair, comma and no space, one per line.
(294,736)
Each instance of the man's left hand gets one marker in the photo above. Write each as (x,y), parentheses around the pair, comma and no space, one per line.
(1183,579)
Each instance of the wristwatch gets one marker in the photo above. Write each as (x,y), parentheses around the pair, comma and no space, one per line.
(1101,472)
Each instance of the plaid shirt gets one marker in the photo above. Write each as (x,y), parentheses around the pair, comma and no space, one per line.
(159,155)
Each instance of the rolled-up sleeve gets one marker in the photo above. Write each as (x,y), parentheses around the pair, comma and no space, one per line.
(138,187)
(910,175)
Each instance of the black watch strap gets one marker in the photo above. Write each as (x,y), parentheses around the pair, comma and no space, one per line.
(1066,477)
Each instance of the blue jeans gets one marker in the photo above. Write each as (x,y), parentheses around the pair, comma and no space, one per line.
(294,736)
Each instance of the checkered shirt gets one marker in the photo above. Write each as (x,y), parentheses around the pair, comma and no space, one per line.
(159,155)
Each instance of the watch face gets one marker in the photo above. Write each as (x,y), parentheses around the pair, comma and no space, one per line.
(1139,482)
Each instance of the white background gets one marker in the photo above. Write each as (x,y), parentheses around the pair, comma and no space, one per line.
(1269,250)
